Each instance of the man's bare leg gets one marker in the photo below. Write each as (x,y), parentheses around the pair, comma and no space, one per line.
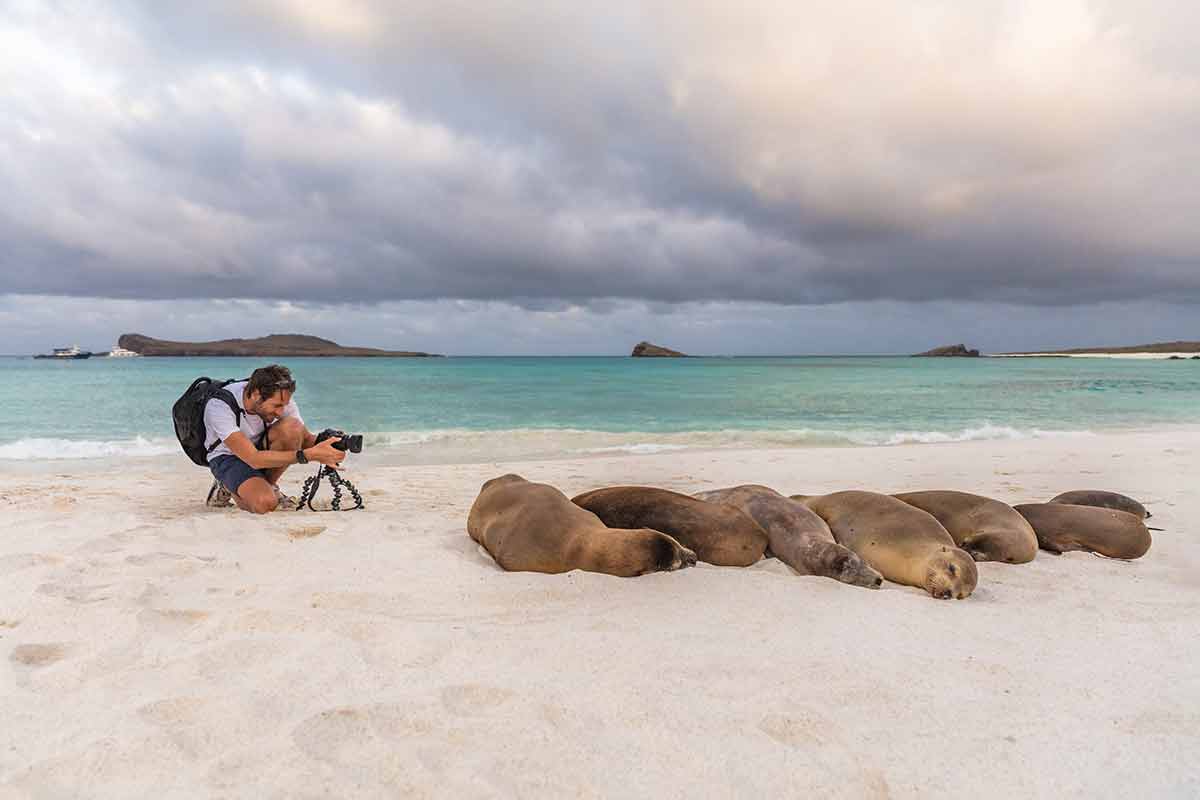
(257,496)
(287,436)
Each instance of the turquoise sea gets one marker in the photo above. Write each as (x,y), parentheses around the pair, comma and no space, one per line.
(479,409)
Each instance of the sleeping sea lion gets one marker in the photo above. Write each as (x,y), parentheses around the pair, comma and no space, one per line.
(718,534)
(1103,499)
(534,527)
(1061,527)
(797,536)
(905,543)
(987,529)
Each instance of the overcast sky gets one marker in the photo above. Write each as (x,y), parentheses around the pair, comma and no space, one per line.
(571,177)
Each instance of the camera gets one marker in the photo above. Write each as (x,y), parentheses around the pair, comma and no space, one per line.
(351,442)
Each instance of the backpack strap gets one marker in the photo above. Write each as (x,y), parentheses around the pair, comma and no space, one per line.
(222,393)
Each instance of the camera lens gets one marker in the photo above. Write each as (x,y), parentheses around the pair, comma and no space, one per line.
(354,443)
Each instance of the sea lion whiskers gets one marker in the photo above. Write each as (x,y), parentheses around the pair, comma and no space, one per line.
(848,567)
(949,575)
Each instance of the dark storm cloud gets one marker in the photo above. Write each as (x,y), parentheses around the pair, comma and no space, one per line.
(553,155)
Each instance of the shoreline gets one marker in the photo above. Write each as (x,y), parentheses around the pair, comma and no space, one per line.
(622,356)
(466,447)
(1145,356)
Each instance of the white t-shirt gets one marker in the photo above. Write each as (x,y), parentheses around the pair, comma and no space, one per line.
(220,422)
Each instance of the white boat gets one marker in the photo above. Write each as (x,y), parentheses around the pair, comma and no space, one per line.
(121,352)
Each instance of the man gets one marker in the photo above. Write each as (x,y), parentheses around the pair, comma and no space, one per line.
(247,461)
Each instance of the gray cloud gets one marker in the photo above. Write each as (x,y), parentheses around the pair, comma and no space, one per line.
(559,157)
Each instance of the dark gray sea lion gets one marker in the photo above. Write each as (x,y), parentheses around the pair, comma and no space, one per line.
(797,535)
(987,529)
(904,543)
(1062,527)
(718,534)
(1103,499)
(534,527)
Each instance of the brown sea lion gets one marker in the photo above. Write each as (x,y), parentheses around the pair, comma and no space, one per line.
(987,529)
(1061,527)
(534,527)
(905,543)
(1103,499)
(797,536)
(718,534)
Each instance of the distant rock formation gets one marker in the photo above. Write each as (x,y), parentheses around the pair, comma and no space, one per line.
(647,350)
(950,350)
(275,345)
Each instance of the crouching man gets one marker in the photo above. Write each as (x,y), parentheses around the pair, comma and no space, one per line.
(247,460)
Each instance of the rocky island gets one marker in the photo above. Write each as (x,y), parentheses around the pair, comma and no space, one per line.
(647,350)
(951,350)
(275,345)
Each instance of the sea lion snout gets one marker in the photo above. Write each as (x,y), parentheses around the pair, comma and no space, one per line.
(669,555)
(951,574)
(978,547)
(850,568)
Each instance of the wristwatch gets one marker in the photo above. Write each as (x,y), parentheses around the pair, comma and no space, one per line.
(301,458)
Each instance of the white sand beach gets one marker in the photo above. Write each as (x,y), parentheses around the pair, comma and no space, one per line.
(1142,356)
(152,648)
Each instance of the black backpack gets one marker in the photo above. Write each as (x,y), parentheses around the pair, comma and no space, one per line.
(188,414)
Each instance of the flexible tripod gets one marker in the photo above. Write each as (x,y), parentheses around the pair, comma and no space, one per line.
(337,482)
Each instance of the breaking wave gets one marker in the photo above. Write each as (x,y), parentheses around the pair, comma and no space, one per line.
(465,445)
(58,449)
(528,443)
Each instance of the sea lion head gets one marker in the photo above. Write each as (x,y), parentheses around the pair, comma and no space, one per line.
(667,554)
(511,477)
(849,568)
(950,573)
(986,545)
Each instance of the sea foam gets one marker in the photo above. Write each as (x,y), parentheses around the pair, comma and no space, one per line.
(466,445)
(37,449)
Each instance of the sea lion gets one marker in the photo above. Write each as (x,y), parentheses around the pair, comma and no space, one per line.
(797,536)
(903,542)
(987,529)
(718,534)
(1061,527)
(1103,499)
(534,527)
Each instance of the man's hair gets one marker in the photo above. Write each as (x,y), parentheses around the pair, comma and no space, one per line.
(269,380)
